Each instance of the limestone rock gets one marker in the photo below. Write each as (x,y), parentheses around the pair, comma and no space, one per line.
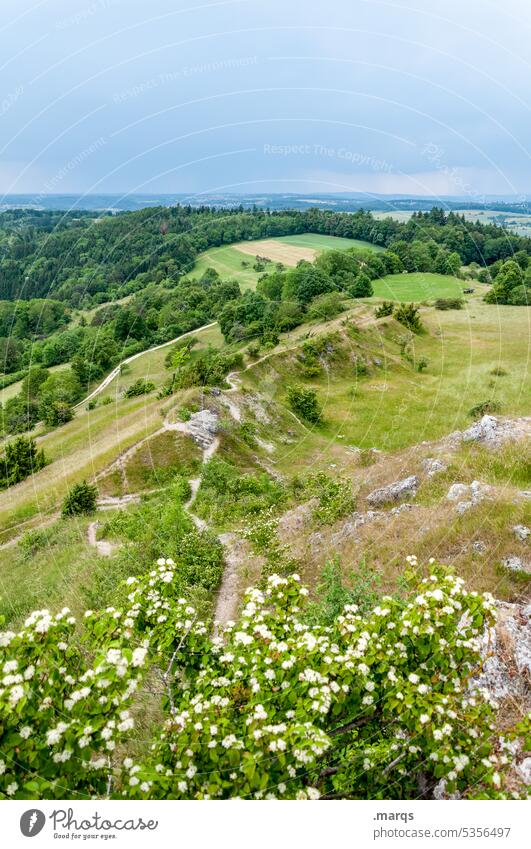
(202,427)
(524,771)
(457,491)
(432,466)
(507,652)
(521,532)
(492,431)
(395,491)
(516,564)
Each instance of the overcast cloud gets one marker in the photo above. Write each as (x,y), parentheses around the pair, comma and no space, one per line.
(265,95)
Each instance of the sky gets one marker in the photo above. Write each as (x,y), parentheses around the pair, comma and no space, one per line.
(249,96)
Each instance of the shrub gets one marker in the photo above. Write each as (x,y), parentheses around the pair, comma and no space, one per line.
(385,309)
(483,408)
(20,460)
(334,495)
(56,413)
(360,367)
(449,304)
(225,493)
(409,316)
(325,307)
(269,339)
(520,296)
(81,499)
(362,287)
(362,707)
(333,594)
(304,403)
(499,372)
(139,387)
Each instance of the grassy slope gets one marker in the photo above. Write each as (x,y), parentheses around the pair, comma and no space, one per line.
(90,442)
(394,406)
(227,261)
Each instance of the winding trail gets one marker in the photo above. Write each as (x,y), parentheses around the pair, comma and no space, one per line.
(227,597)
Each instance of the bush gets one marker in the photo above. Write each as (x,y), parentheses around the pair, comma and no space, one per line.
(56,413)
(334,495)
(333,594)
(449,304)
(385,309)
(520,296)
(227,494)
(20,460)
(304,403)
(139,387)
(362,287)
(325,307)
(185,414)
(483,408)
(81,499)
(409,316)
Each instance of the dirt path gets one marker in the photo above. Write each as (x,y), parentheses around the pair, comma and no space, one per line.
(227,600)
(103,547)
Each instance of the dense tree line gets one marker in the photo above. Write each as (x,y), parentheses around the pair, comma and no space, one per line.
(23,322)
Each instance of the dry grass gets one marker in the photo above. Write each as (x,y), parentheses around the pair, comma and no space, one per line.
(277,251)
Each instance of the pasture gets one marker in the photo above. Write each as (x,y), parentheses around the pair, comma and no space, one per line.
(421,286)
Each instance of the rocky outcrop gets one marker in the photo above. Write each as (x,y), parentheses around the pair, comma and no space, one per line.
(203,427)
(467,495)
(517,564)
(521,532)
(356,520)
(492,431)
(507,652)
(406,488)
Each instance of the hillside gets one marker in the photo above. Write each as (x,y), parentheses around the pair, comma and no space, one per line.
(330,446)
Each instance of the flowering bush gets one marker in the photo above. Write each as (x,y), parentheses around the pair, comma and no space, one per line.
(374,706)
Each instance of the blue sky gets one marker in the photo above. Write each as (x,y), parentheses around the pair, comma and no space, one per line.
(406,96)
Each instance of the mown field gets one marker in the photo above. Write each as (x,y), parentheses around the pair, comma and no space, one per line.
(421,286)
